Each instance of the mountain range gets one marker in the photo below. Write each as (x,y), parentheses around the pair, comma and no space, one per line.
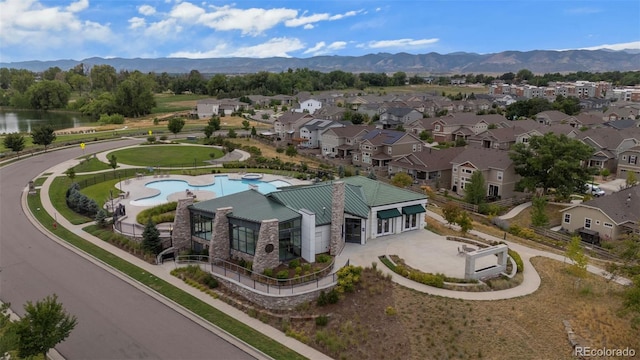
(538,61)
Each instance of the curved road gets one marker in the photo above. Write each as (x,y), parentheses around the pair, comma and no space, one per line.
(115,320)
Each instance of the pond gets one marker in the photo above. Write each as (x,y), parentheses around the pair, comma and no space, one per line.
(24,120)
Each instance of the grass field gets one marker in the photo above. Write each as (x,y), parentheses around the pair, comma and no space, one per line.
(166,155)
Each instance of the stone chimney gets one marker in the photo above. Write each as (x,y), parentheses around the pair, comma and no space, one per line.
(220,246)
(337,218)
(182,225)
(267,249)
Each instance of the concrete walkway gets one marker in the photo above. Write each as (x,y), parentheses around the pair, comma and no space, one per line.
(515,211)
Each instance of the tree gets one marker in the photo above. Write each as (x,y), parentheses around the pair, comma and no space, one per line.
(475,191)
(43,135)
(208,131)
(576,254)
(552,161)
(631,179)
(175,125)
(402,180)
(291,151)
(253,131)
(44,325)
(451,212)
(113,162)
(14,141)
(134,96)
(101,218)
(103,78)
(539,215)
(47,94)
(232,134)
(246,124)
(214,122)
(151,238)
(71,173)
(465,222)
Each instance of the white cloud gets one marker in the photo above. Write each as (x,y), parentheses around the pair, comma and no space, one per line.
(321,48)
(78,6)
(308,27)
(251,21)
(163,28)
(136,23)
(635,45)
(399,43)
(146,10)
(347,14)
(274,47)
(187,12)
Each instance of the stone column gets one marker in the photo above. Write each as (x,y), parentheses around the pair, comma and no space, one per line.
(220,246)
(337,218)
(182,225)
(267,249)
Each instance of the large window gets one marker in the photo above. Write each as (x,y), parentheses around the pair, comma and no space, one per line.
(202,225)
(587,223)
(290,241)
(567,218)
(411,221)
(385,226)
(244,235)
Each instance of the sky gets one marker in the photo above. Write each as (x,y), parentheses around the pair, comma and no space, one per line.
(59,29)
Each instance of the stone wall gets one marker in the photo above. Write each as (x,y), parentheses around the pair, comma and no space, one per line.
(220,244)
(182,225)
(337,218)
(268,239)
(273,302)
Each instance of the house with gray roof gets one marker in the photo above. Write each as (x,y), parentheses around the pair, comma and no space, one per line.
(495,165)
(430,166)
(296,222)
(629,161)
(378,147)
(462,125)
(551,117)
(342,141)
(395,116)
(500,138)
(311,131)
(287,126)
(608,216)
(608,143)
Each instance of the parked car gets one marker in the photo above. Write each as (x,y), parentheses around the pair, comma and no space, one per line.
(593,190)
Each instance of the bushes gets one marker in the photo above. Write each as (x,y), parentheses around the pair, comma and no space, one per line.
(79,202)
(322,320)
(196,274)
(331,297)
(282,274)
(518,260)
(348,277)
(323,258)
(159,214)
(294,263)
(435,280)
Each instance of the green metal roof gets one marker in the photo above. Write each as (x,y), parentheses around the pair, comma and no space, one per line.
(317,198)
(377,193)
(249,205)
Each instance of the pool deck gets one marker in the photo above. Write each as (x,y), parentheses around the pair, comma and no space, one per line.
(136,189)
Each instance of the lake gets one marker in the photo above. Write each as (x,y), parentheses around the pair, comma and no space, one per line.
(23,120)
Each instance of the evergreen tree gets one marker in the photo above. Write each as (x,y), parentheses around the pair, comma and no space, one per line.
(151,238)
(14,141)
(539,216)
(475,191)
(43,135)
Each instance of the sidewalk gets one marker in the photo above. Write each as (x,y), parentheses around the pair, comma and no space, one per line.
(163,272)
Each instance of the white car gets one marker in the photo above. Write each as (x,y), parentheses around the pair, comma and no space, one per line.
(593,190)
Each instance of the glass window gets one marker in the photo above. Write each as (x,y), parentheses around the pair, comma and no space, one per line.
(587,223)
(567,218)
(244,235)
(202,225)
(290,240)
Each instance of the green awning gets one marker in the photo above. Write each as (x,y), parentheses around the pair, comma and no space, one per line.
(388,214)
(413,209)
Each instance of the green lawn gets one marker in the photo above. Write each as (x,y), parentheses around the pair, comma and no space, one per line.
(91,164)
(167,155)
(199,307)
(166,103)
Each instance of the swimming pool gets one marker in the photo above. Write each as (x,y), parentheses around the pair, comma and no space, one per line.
(221,187)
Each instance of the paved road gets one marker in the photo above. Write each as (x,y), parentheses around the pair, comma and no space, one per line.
(115,319)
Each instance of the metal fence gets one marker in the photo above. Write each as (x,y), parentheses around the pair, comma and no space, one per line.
(259,282)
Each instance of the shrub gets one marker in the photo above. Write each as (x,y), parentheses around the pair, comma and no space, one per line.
(518,260)
(390,311)
(267,272)
(348,277)
(515,230)
(163,137)
(306,267)
(151,139)
(210,281)
(294,263)
(322,320)
(282,274)
(323,258)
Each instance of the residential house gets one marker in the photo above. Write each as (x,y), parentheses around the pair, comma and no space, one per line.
(420,125)
(608,144)
(552,117)
(606,217)
(495,165)
(429,166)
(462,125)
(540,130)
(311,131)
(287,126)
(309,106)
(620,113)
(207,108)
(498,138)
(335,113)
(629,161)
(378,147)
(342,141)
(395,116)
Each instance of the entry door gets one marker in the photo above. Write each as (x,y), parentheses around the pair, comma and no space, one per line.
(353,230)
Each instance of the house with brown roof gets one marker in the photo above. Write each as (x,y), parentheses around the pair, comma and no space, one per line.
(608,216)
(500,138)
(495,165)
(330,112)
(342,141)
(608,143)
(629,161)
(420,125)
(399,115)
(378,147)
(462,125)
(430,166)
(287,126)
